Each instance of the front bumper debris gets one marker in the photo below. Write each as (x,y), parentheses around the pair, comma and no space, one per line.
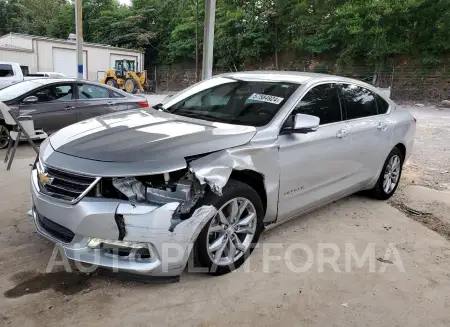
(88,232)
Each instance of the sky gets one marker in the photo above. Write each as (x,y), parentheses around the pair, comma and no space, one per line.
(125,2)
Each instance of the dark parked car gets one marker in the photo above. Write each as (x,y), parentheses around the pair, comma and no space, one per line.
(57,103)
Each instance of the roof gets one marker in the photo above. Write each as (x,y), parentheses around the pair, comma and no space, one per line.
(292,77)
(13,48)
(44,81)
(43,38)
(47,80)
(271,75)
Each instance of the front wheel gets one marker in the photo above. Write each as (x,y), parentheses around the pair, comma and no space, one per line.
(4,136)
(389,177)
(228,239)
(112,83)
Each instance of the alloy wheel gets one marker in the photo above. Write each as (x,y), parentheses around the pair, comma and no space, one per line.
(4,137)
(231,231)
(391,174)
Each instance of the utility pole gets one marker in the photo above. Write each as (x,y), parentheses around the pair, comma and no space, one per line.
(208,40)
(79,34)
(196,40)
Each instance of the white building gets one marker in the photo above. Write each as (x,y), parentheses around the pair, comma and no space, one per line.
(42,54)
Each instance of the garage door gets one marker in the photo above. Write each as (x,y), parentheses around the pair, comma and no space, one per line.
(115,57)
(65,62)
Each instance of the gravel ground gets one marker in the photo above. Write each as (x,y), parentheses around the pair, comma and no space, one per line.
(430,160)
(268,292)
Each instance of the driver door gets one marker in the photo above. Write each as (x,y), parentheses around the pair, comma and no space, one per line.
(53,109)
(315,167)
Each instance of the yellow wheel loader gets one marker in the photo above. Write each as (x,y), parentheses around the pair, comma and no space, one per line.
(124,76)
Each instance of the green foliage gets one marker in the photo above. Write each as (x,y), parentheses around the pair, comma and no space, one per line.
(247,31)
(63,23)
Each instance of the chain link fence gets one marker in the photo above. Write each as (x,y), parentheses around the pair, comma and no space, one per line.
(406,82)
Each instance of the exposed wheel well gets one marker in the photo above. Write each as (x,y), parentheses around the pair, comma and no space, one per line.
(2,122)
(254,180)
(402,149)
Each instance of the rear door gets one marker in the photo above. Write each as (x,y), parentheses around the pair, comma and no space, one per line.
(370,129)
(317,166)
(54,109)
(94,100)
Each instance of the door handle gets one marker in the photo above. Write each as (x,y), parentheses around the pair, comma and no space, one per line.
(342,133)
(382,126)
(69,107)
(110,103)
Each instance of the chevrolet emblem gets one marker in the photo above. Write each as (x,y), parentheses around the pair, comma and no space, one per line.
(45,179)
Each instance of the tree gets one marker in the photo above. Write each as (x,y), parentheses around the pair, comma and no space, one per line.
(248,31)
(5,17)
(63,23)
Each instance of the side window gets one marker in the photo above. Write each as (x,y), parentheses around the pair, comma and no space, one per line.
(88,91)
(358,101)
(117,95)
(61,92)
(6,70)
(321,101)
(383,106)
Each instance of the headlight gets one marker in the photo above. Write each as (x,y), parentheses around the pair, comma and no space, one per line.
(39,166)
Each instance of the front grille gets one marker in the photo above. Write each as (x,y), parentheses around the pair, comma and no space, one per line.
(57,231)
(64,185)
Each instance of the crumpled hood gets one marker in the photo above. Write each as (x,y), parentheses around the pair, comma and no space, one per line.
(146,135)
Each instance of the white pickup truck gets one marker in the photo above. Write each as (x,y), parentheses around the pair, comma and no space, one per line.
(11,73)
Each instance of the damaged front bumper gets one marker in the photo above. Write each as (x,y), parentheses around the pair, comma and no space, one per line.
(89,232)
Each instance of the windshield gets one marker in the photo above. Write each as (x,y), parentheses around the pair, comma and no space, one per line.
(233,101)
(15,90)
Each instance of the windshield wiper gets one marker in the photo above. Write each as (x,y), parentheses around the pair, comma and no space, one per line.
(192,114)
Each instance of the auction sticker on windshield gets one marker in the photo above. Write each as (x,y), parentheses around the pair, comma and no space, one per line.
(266,98)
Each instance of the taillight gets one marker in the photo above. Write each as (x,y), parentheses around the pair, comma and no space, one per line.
(143,104)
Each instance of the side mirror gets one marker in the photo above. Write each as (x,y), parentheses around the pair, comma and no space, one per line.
(30,99)
(302,124)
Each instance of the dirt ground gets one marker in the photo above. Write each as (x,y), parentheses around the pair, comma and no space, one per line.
(407,283)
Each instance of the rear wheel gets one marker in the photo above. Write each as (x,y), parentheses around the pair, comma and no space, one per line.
(112,82)
(228,239)
(131,86)
(389,177)
(4,136)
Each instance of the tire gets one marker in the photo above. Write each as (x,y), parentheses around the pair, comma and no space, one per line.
(380,190)
(112,82)
(4,136)
(233,191)
(131,86)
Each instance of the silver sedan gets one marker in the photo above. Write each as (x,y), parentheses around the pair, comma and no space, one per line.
(204,173)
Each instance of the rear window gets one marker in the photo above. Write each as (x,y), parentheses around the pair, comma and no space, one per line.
(13,91)
(6,70)
(383,106)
